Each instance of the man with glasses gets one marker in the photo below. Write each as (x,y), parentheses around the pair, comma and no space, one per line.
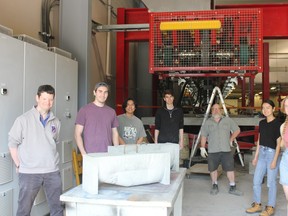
(97,122)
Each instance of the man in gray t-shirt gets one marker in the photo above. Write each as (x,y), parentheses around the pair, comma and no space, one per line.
(220,133)
(131,129)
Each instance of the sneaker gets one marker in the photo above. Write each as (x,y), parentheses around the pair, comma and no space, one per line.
(255,207)
(269,210)
(234,191)
(214,189)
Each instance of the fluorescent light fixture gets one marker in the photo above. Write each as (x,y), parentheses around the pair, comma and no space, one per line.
(273,88)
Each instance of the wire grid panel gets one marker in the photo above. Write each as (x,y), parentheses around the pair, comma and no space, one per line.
(190,41)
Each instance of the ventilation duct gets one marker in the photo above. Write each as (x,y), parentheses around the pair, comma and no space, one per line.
(177,5)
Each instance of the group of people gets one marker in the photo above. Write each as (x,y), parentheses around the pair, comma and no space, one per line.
(220,132)
(34,137)
(98,126)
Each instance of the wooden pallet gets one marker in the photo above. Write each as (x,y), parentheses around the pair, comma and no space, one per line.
(201,168)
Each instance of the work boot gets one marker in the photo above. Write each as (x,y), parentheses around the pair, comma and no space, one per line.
(269,210)
(214,189)
(234,191)
(255,207)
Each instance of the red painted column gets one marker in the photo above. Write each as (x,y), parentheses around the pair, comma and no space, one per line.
(265,74)
(251,95)
(243,92)
(121,61)
(127,16)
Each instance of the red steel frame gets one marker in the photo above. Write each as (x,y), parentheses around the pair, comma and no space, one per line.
(274,29)
(274,17)
(127,16)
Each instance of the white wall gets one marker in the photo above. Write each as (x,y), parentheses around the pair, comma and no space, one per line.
(24,17)
(21,16)
(278,62)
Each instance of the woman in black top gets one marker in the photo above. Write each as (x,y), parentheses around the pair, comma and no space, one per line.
(266,160)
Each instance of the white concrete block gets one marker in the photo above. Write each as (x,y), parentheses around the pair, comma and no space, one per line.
(124,169)
(171,148)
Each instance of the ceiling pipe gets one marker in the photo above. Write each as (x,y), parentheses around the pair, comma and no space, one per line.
(108,43)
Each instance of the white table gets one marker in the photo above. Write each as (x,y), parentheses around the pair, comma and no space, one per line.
(144,200)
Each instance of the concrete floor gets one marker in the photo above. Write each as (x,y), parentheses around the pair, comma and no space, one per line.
(197,200)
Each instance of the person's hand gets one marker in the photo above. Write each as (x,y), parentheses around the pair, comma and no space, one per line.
(254,161)
(181,145)
(203,153)
(17,169)
(273,165)
(232,144)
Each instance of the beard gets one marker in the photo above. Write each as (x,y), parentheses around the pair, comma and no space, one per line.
(216,116)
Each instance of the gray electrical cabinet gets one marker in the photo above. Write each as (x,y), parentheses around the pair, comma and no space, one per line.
(23,68)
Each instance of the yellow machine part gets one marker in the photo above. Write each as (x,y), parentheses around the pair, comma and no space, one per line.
(190,25)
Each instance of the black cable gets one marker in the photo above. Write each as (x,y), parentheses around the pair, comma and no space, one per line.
(47,22)
(43,20)
(46,8)
(49,27)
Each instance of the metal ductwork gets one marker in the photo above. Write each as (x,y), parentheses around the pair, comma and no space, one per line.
(177,5)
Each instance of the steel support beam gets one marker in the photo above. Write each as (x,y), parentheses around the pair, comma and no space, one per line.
(75,37)
(251,95)
(124,27)
(243,100)
(265,74)
(127,18)
(122,58)
(161,76)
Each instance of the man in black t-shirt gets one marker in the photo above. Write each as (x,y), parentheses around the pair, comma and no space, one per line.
(169,122)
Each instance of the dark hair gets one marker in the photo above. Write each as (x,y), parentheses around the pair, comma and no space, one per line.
(124,105)
(46,88)
(270,102)
(167,91)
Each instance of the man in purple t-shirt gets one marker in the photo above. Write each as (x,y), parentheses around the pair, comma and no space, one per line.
(97,122)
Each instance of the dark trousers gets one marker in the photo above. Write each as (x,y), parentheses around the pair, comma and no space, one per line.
(29,186)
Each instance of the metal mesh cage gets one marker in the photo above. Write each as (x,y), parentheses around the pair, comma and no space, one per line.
(214,40)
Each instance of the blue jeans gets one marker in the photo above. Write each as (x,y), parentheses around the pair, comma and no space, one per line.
(284,168)
(265,159)
(30,184)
